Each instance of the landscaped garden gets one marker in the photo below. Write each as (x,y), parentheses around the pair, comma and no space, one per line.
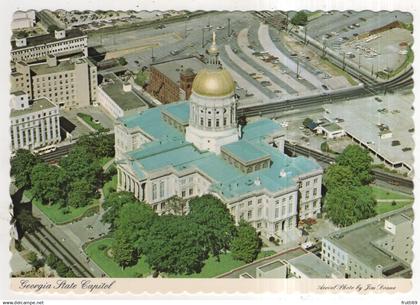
(62,215)
(100,252)
(388,200)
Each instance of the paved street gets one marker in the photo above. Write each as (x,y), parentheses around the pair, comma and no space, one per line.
(268,44)
(74,235)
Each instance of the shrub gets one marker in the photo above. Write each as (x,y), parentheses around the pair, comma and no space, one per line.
(102,247)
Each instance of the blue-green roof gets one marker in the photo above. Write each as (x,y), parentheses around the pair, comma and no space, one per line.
(179,111)
(244,151)
(169,149)
(151,122)
(259,129)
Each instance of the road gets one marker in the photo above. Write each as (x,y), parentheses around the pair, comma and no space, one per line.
(268,44)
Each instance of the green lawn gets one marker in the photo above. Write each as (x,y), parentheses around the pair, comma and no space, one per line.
(381,193)
(109,266)
(384,193)
(55,213)
(89,120)
(112,184)
(384,207)
(211,268)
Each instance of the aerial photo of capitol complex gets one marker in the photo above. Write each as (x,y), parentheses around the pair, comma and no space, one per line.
(211,144)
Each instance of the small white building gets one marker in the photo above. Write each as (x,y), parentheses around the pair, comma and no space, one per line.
(117,98)
(23,20)
(33,125)
(330,130)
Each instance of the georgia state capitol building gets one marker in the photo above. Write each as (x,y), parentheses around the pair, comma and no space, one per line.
(196,147)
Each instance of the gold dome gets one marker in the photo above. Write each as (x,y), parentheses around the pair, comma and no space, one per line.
(213,83)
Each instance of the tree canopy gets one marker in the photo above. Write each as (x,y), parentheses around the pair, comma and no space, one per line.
(359,161)
(113,204)
(340,176)
(246,245)
(175,245)
(300,18)
(218,227)
(346,206)
(99,144)
(48,183)
(21,167)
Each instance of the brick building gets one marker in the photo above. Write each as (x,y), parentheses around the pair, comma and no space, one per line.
(171,81)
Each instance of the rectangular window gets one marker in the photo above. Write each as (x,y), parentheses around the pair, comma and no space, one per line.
(315,191)
(276,213)
(249,202)
(283,210)
(217,122)
(259,212)
(208,123)
(249,214)
(154,191)
(162,189)
(190,192)
(290,208)
(307,183)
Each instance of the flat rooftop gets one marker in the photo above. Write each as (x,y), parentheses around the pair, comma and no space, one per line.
(359,238)
(245,152)
(44,68)
(172,68)
(113,87)
(312,266)
(361,117)
(47,38)
(271,266)
(37,105)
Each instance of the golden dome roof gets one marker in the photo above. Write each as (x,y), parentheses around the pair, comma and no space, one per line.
(213,83)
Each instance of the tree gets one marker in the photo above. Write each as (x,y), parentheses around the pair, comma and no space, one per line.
(124,252)
(80,164)
(134,220)
(345,206)
(340,176)
(325,147)
(175,206)
(113,204)
(80,193)
(52,28)
(32,257)
(48,183)
(52,260)
(174,245)
(359,161)
(122,61)
(217,224)
(300,18)
(26,222)
(141,78)
(246,245)
(306,122)
(99,144)
(21,167)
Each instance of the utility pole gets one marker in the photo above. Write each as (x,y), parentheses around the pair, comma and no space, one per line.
(344,61)
(185,30)
(153,57)
(228,27)
(297,69)
(305,35)
(202,40)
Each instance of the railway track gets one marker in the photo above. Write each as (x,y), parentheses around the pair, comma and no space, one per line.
(46,243)
(327,160)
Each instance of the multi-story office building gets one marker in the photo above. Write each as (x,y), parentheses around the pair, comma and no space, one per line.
(171,81)
(68,83)
(33,124)
(379,247)
(61,43)
(193,148)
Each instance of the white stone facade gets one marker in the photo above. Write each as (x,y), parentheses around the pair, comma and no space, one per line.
(212,122)
(33,126)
